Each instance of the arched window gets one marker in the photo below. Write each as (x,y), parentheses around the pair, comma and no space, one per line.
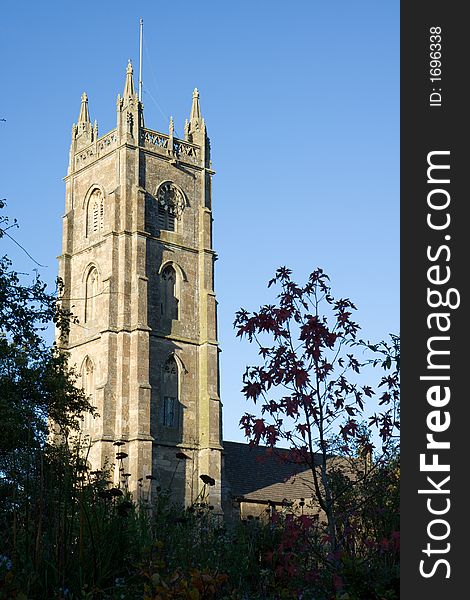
(169,412)
(169,298)
(88,385)
(91,295)
(95,212)
(170,205)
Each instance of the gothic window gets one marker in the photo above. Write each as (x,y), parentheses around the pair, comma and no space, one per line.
(95,213)
(169,403)
(169,300)
(171,203)
(88,385)
(91,295)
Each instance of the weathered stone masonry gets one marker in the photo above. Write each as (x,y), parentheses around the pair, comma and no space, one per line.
(138,267)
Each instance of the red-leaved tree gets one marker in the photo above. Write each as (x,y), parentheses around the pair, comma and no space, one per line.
(309,384)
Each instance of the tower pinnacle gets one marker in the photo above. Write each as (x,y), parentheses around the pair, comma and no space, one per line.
(195,109)
(84,116)
(195,128)
(129,86)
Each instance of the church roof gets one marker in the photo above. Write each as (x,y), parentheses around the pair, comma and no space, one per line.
(261,473)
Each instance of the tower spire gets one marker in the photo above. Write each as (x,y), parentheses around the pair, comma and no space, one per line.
(129,86)
(84,116)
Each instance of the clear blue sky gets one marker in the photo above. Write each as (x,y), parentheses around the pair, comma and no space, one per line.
(301,100)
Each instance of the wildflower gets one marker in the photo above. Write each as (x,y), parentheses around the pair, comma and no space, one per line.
(182,456)
(207,479)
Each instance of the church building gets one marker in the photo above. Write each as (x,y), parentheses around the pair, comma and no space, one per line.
(138,267)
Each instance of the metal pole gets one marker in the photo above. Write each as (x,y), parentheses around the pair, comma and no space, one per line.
(140,58)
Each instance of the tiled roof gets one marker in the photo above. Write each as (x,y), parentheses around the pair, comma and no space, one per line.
(259,473)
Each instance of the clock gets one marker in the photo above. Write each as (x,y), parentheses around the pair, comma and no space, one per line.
(171,198)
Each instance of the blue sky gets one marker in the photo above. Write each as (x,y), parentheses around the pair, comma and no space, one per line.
(301,102)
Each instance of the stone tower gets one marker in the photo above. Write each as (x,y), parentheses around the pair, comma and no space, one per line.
(138,267)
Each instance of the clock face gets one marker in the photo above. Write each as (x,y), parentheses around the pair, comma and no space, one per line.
(171,198)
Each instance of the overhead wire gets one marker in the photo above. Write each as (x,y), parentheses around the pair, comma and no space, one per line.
(4,232)
(147,91)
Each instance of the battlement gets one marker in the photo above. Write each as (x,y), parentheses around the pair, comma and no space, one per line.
(97,149)
(154,141)
(87,147)
(166,144)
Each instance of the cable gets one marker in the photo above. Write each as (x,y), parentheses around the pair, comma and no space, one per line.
(147,91)
(4,232)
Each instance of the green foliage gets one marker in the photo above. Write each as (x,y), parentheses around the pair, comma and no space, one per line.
(35,384)
(68,534)
(98,547)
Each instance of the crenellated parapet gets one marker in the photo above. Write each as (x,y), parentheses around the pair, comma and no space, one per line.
(166,145)
(87,147)
(149,140)
(97,149)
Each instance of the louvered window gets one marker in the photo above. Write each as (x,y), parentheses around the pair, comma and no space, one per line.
(171,204)
(95,213)
(166,218)
(162,217)
(169,416)
(95,216)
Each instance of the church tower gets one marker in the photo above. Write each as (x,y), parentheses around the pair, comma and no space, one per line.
(138,267)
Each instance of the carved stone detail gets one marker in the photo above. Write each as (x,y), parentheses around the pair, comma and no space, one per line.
(171,198)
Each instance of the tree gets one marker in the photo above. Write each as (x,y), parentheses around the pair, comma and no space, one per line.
(36,389)
(35,384)
(308,381)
